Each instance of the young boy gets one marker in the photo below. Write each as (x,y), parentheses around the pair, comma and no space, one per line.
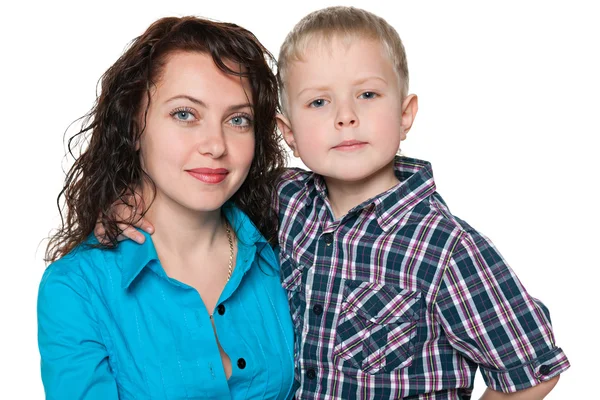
(391,295)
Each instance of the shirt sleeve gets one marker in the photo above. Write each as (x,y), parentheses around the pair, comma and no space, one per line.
(74,360)
(489,317)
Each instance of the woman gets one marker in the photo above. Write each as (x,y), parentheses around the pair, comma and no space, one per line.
(186,117)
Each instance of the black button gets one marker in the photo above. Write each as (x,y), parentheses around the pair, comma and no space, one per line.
(545,369)
(241,363)
(221,309)
(318,309)
(311,373)
(328,237)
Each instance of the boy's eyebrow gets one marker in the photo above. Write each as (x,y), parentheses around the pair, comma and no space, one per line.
(368,78)
(234,107)
(355,83)
(318,89)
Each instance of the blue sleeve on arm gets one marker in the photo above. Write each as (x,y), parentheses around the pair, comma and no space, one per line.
(74,359)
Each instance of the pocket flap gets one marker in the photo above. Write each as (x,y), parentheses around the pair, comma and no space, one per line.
(382,303)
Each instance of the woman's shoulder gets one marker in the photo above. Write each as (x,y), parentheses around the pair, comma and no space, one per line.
(81,265)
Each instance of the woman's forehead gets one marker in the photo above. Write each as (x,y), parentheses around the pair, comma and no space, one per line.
(196,74)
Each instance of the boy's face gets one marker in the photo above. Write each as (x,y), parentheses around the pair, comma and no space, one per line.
(345,113)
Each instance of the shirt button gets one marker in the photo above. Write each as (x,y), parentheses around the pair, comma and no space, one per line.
(241,363)
(545,369)
(221,309)
(318,309)
(328,237)
(311,373)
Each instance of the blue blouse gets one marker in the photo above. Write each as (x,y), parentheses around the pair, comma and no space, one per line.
(113,325)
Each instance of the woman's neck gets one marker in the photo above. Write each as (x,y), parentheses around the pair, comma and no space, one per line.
(180,232)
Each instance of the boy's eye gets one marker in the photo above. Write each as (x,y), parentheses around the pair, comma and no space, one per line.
(318,103)
(368,95)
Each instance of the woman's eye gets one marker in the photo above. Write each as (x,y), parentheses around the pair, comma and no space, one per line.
(241,121)
(184,115)
(318,103)
(368,95)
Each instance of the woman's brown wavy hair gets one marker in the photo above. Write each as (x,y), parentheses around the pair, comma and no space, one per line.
(109,168)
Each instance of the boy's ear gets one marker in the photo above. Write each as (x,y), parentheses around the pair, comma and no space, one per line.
(286,130)
(410,106)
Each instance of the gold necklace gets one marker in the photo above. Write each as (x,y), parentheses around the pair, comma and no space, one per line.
(230,267)
(230,250)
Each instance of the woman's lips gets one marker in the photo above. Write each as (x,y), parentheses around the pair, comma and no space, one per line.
(209,175)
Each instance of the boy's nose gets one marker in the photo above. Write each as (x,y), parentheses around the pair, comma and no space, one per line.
(346,118)
(346,122)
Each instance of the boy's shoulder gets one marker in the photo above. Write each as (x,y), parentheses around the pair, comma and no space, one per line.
(294,176)
(438,205)
(463,240)
(450,221)
(292,181)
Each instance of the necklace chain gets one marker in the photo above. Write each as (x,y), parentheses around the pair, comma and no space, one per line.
(230,239)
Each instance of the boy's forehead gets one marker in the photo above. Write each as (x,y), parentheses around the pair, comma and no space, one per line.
(315,59)
(320,44)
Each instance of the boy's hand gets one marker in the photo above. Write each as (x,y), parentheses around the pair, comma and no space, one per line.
(124,212)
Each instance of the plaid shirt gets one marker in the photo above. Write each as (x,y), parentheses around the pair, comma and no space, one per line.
(401,299)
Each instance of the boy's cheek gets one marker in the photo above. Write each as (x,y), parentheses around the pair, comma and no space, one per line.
(310,125)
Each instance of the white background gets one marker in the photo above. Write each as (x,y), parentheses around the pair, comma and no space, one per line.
(509,117)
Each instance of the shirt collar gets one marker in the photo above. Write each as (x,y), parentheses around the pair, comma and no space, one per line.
(416,184)
(135,257)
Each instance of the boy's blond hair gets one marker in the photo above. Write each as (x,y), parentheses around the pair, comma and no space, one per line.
(347,24)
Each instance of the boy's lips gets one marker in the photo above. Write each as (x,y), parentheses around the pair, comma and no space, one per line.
(208,175)
(349,145)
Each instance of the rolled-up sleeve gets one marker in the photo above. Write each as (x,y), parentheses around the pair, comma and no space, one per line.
(74,360)
(489,317)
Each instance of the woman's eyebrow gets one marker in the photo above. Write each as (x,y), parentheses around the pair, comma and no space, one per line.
(190,98)
(234,107)
(237,107)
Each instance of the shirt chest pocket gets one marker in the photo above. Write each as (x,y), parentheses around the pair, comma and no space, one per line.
(377,328)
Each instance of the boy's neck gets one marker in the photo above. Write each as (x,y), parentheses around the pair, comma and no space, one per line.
(344,195)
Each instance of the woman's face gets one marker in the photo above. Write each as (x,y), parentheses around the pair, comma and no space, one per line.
(198,143)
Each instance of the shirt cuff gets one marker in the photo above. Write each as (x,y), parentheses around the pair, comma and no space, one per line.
(542,369)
